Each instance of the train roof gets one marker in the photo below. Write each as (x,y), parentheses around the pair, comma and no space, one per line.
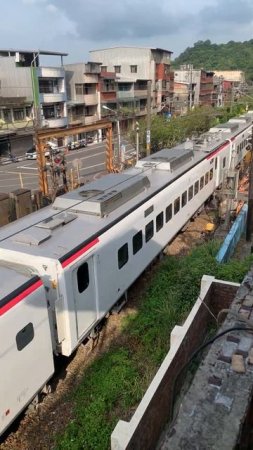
(13,280)
(85,213)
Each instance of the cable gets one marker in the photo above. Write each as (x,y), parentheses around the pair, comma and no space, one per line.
(195,353)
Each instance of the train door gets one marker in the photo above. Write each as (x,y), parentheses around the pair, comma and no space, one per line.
(84,296)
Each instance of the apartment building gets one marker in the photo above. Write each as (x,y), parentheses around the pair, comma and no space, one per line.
(30,95)
(200,84)
(82,92)
(133,67)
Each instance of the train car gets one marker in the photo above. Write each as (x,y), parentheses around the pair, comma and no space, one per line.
(91,244)
(26,355)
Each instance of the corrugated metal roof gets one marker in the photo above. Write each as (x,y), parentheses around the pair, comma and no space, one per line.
(40,52)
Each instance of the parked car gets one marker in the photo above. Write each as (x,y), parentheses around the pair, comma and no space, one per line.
(32,154)
(77,144)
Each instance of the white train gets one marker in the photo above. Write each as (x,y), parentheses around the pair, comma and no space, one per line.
(64,267)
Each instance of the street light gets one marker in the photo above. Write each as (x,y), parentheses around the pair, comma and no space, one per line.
(118,127)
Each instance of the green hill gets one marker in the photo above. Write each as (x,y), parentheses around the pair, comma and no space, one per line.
(230,56)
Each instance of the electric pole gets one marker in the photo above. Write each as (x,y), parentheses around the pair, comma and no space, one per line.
(249,224)
(190,96)
(148,133)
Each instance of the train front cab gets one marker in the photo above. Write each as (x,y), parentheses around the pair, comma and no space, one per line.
(26,357)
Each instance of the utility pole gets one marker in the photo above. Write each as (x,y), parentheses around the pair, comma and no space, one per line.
(249,223)
(190,96)
(148,133)
(137,141)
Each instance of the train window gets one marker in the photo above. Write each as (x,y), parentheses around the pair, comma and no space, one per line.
(196,187)
(149,211)
(206,177)
(237,148)
(211,174)
(177,205)
(83,277)
(122,256)
(201,184)
(149,231)
(159,221)
(137,242)
(224,162)
(190,193)
(168,213)
(24,336)
(184,198)
(216,163)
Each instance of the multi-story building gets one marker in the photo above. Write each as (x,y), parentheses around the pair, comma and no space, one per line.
(133,68)
(200,85)
(83,93)
(237,77)
(30,95)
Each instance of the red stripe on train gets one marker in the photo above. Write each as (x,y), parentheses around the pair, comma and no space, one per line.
(14,301)
(80,252)
(220,148)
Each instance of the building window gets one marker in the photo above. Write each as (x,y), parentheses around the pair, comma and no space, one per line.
(137,242)
(28,111)
(196,188)
(117,69)
(49,112)
(24,336)
(18,114)
(190,193)
(79,89)
(168,213)
(122,256)
(103,68)
(7,115)
(159,221)
(177,205)
(149,231)
(133,69)
(83,277)
(184,198)
(201,184)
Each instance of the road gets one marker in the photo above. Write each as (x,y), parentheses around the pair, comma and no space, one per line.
(90,161)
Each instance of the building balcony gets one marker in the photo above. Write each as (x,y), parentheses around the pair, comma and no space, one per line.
(141,93)
(125,95)
(108,96)
(141,112)
(55,122)
(91,99)
(50,72)
(75,119)
(89,120)
(89,78)
(58,97)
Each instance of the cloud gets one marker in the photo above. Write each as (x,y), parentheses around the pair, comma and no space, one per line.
(226,14)
(101,21)
(52,8)
(77,26)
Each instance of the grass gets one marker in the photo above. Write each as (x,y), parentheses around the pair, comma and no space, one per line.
(114,384)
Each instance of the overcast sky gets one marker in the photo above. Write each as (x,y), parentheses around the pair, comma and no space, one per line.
(77,26)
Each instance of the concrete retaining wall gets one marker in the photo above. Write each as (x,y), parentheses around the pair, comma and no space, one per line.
(148,421)
(233,236)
